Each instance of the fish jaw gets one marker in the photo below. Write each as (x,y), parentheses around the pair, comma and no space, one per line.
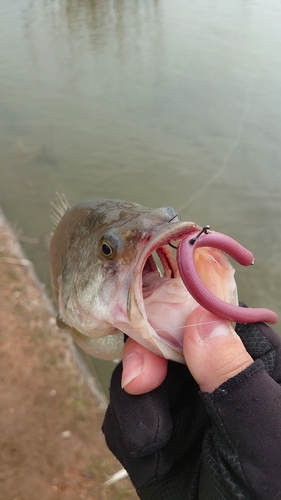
(167,302)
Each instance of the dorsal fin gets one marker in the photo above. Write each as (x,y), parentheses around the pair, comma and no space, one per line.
(59,207)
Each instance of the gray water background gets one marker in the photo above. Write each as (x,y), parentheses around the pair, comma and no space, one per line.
(162,103)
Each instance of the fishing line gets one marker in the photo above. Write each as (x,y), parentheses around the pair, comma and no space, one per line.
(192,325)
(237,139)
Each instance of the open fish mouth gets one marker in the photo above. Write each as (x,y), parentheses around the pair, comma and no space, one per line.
(158,301)
(161,244)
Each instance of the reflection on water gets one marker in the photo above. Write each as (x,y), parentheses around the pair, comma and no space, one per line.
(102,19)
(151,101)
(96,23)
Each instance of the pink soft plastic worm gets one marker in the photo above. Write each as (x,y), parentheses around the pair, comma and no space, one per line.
(192,281)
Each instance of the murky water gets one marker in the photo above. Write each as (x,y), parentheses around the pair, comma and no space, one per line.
(164,103)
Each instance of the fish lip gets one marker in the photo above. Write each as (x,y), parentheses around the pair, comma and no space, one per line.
(172,231)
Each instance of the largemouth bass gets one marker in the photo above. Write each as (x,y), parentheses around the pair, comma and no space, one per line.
(107,281)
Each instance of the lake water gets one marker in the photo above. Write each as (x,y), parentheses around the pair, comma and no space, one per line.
(159,102)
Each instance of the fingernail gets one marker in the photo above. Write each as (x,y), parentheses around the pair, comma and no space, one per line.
(132,367)
(210,326)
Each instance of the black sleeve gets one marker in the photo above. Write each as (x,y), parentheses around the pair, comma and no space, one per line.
(244,436)
(243,442)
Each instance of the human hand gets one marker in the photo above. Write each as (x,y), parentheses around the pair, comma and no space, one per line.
(212,349)
(159,436)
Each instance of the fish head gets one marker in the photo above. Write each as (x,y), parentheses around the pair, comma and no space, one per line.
(113,270)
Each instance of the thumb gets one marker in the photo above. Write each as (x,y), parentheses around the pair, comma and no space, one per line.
(212,349)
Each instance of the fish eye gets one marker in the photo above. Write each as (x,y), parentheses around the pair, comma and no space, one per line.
(110,244)
(106,249)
